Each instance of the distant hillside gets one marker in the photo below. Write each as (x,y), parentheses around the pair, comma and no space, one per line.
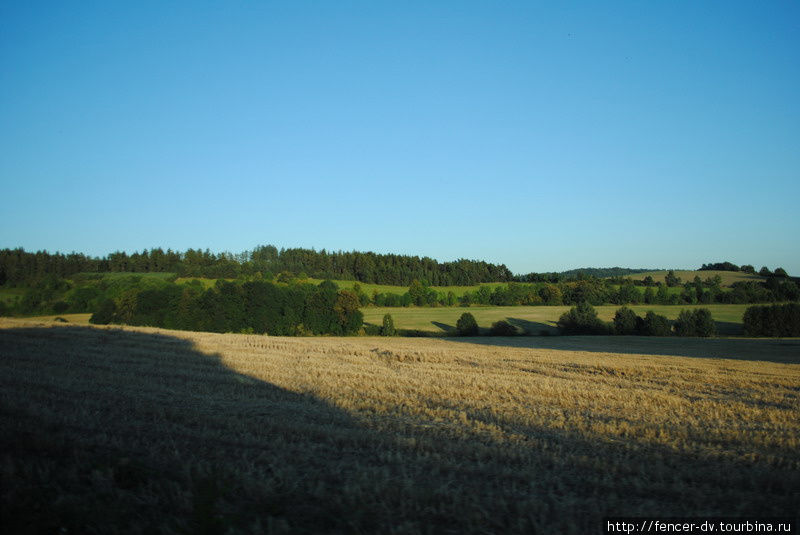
(602,272)
(728,277)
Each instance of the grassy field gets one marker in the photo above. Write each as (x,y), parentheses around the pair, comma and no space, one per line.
(76,319)
(728,277)
(111,275)
(135,430)
(367,287)
(458,291)
(536,318)
(206,283)
(9,295)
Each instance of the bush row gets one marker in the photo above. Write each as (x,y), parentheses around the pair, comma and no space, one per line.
(774,320)
(582,319)
(251,307)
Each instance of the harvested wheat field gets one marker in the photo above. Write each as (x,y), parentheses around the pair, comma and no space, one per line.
(136,430)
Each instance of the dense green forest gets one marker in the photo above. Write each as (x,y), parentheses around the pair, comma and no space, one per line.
(258,307)
(254,306)
(20,267)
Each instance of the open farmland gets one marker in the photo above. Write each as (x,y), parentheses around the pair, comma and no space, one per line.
(534,319)
(168,432)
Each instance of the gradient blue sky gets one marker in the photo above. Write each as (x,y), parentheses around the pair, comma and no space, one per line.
(545,136)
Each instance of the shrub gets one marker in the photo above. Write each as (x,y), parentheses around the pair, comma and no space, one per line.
(704,324)
(625,321)
(671,279)
(388,326)
(348,317)
(371,329)
(466,325)
(656,325)
(105,313)
(683,325)
(774,320)
(695,323)
(582,319)
(502,328)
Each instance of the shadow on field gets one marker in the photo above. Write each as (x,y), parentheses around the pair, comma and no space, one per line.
(116,431)
(450,329)
(757,349)
(728,328)
(110,428)
(532,327)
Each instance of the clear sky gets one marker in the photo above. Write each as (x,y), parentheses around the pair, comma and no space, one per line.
(545,136)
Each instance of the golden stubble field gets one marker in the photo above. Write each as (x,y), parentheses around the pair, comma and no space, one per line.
(139,430)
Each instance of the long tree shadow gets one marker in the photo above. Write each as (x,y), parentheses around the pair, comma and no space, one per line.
(127,431)
(529,327)
(449,329)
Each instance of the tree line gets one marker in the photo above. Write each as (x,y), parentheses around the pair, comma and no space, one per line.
(746,268)
(595,292)
(775,320)
(583,319)
(256,307)
(19,267)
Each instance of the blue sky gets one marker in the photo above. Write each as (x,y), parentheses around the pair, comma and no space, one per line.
(546,136)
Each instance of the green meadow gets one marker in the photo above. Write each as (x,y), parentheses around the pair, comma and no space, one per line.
(368,288)
(9,295)
(112,275)
(534,319)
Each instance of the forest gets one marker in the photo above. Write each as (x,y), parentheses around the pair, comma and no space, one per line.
(18,266)
(255,307)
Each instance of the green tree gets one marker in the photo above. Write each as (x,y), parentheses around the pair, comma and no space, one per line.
(551,294)
(649,296)
(656,325)
(388,326)
(363,298)
(780,272)
(502,328)
(662,295)
(417,292)
(104,313)
(703,323)
(625,321)
(581,319)
(348,317)
(466,325)
(671,279)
